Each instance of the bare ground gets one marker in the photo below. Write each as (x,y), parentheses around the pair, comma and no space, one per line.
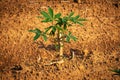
(96,51)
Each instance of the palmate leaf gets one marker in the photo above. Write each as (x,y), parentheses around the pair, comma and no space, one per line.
(117,71)
(73,38)
(45,15)
(59,21)
(80,23)
(77,20)
(72,19)
(65,19)
(50,11)
(67,38)
(46,20)
(70,36)
(76,17)
(82,19)
(65,26)
(59,28)
(57,15)
(53,30)
(71,14)
(47,29)
(37,32)
(44,37)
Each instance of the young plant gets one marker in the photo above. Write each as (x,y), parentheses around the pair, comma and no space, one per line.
(116,71)
(58,28)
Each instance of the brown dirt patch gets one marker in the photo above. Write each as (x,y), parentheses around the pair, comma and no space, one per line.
(97,50)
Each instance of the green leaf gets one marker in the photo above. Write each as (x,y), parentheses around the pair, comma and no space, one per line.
(71,14)
(69,33)
(72,19)
(57,46)
(76,17)
(65,26)
(59,28)
(59,21)
(37,32)
(80,23)
(70,36)
(73,38)
(45,15)
(67,38)
(46,20)
(50,12)
(65,20)
(116,71)
(44,37)
(81,19)
(57,15)
(53,31)
(47,29)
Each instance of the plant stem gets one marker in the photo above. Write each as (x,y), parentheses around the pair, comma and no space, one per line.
(60,42)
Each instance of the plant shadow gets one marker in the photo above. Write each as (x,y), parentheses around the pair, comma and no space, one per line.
(77,52)
(81,54)
(50,47)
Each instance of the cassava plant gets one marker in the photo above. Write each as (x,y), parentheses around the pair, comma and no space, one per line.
(116,71)
(58,28)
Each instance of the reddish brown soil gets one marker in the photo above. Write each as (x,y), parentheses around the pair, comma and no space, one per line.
(96,51)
